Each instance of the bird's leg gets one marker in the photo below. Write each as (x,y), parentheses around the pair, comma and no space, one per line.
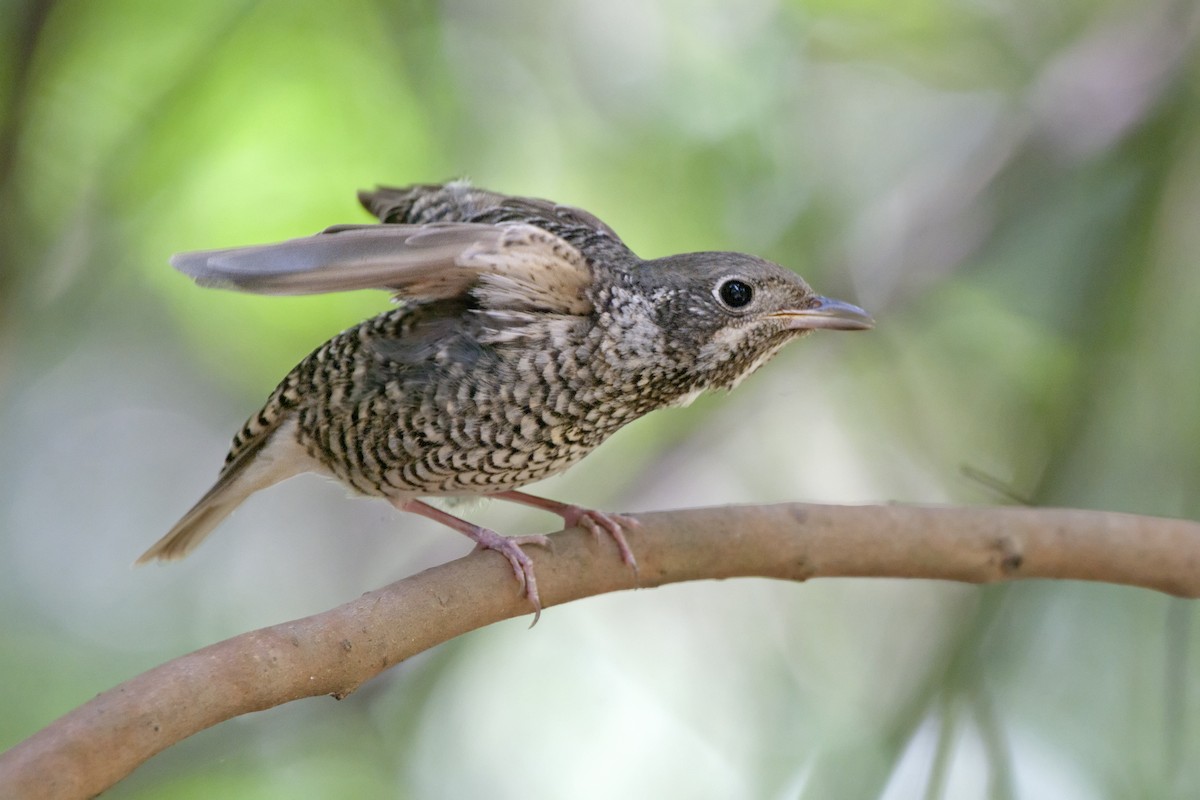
(598,522)
(507,546)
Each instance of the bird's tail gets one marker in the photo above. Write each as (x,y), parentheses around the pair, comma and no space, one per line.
(278,456)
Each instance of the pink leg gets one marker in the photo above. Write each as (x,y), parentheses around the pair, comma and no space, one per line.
(507,546)
(598,522)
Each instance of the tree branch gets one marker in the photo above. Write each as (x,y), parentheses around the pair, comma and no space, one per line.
(102,741)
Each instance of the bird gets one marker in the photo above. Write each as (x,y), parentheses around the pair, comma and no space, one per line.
(523,334)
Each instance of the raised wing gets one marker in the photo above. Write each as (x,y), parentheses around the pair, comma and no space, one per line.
(459,201)
(504,267)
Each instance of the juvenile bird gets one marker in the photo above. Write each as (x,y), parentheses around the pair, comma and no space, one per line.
(526,333)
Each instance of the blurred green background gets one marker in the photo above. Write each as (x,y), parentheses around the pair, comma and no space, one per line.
(1012,187)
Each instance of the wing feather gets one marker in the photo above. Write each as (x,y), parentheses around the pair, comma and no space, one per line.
(505,267)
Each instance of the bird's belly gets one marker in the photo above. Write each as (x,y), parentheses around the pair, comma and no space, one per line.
(451,448)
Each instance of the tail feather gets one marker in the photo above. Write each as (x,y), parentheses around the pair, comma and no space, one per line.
(276,457)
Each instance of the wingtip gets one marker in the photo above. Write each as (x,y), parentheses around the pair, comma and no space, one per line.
(194,263)
(366,195)
(177,260)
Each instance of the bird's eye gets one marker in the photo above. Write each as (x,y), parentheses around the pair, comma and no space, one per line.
(735,293)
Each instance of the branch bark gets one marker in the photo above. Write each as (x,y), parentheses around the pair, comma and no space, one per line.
(91,748)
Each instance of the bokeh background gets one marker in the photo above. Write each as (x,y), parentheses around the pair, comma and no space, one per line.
(1011,186)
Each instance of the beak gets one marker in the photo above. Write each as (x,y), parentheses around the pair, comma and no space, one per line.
(829,314)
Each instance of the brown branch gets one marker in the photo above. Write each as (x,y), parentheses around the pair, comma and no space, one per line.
(334,652)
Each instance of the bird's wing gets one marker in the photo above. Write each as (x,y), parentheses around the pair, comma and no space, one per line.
(460,201)
(504,267)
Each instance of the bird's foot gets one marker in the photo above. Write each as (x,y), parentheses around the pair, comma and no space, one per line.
(487,539)
(522,565)
(599,523)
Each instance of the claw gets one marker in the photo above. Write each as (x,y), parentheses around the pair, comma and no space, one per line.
(601,523)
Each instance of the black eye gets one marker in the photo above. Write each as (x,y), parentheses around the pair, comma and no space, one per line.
(735,293)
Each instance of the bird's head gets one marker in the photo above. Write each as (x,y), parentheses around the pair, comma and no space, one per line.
(726,314)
